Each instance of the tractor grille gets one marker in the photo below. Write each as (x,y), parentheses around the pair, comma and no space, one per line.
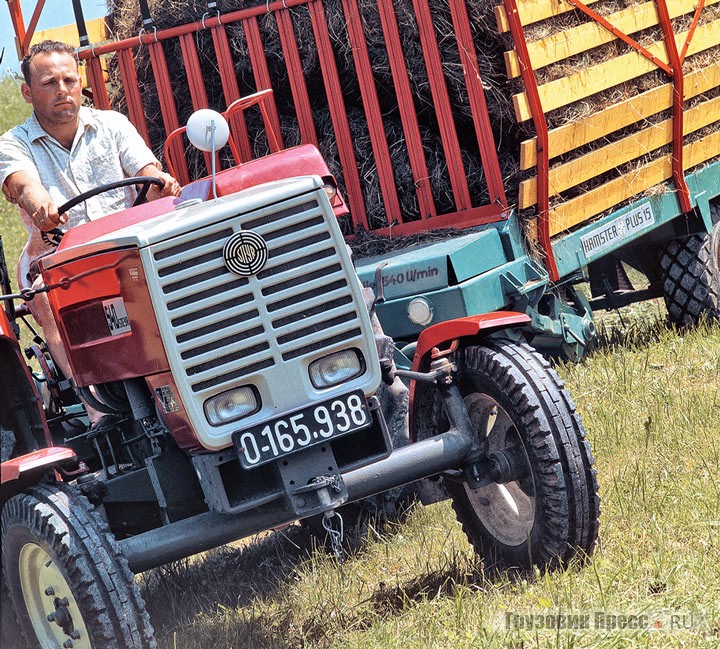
(227,327)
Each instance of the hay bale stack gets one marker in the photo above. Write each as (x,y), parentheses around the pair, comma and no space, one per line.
(609,109)
(125,22)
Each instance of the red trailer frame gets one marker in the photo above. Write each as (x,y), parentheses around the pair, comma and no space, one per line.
(464,214)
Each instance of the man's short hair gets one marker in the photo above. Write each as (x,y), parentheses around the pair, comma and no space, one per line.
(43,47)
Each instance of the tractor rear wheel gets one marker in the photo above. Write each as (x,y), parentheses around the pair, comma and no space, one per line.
(691,272)
(544,509)
(68,581)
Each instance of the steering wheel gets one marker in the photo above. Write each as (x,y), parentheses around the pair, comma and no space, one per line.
(54,236)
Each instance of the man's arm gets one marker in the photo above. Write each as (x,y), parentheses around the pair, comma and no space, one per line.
(170,188)
(26,190)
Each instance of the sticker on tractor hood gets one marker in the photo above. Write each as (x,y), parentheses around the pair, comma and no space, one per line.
(116,316)
(620,228)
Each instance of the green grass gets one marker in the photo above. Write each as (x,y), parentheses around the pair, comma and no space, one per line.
(652,409)
(13,110)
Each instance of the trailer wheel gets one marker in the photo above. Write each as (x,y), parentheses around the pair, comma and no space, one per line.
(691,270)
(544,509)
(67,579)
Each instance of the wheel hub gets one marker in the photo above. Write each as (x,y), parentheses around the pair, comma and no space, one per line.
(52,609)
(505,499)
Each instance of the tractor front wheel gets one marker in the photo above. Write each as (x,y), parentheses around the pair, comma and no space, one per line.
(67,579)
(543,507)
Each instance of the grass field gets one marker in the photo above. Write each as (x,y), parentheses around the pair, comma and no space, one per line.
(653,414)
(651,404)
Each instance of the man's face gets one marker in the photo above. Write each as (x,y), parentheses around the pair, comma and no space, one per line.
(55,89)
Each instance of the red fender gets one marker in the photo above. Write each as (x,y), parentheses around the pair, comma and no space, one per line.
(473,325)
(26,470)
(34,463)
(452,330)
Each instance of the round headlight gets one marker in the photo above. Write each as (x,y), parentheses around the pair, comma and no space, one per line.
(232,405)
(420,311)
(336,368)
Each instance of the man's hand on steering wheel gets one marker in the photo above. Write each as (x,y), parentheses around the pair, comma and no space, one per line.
(171,187)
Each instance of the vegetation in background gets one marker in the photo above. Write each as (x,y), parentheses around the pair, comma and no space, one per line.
(13,110)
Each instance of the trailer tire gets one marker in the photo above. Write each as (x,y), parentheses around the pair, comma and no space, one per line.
(67,578)
(691,273)
(549,514)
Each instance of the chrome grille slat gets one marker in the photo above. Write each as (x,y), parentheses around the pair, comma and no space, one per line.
(286,315)
(203,332)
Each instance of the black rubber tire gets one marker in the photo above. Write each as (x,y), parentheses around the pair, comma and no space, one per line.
(53,540)
(513,393)
(691,277)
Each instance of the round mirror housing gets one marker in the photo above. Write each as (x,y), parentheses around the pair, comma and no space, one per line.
(204,125)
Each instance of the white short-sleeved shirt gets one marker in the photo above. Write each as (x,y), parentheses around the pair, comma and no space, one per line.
(106,148)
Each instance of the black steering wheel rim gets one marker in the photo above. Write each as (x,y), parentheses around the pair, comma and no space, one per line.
(144,181)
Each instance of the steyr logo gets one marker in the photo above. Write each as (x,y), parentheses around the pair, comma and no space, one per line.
(245,253)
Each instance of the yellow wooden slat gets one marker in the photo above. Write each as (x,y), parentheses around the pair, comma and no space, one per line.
(597,78)
(618,153)
(585,37)
(570,136)
(96,29)
(532,11)
(596,201)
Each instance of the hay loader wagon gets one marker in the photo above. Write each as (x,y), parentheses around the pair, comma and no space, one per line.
(273,349)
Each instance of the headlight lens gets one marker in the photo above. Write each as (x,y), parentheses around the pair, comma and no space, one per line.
(420,311)
(232,405)
(336,368)
(330,187)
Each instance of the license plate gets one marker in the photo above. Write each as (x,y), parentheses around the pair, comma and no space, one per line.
(303,428)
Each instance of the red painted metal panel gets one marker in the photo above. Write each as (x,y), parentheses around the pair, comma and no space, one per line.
(408,117)
(96,80)
(191,63)
(96,353)
(231,92)
(298,87)
(476,97)
(262,76)
(450,330)
(443,109)
(338,114)
(177,421)
(44,458)
(543,162)
(128,75)
(363,67)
